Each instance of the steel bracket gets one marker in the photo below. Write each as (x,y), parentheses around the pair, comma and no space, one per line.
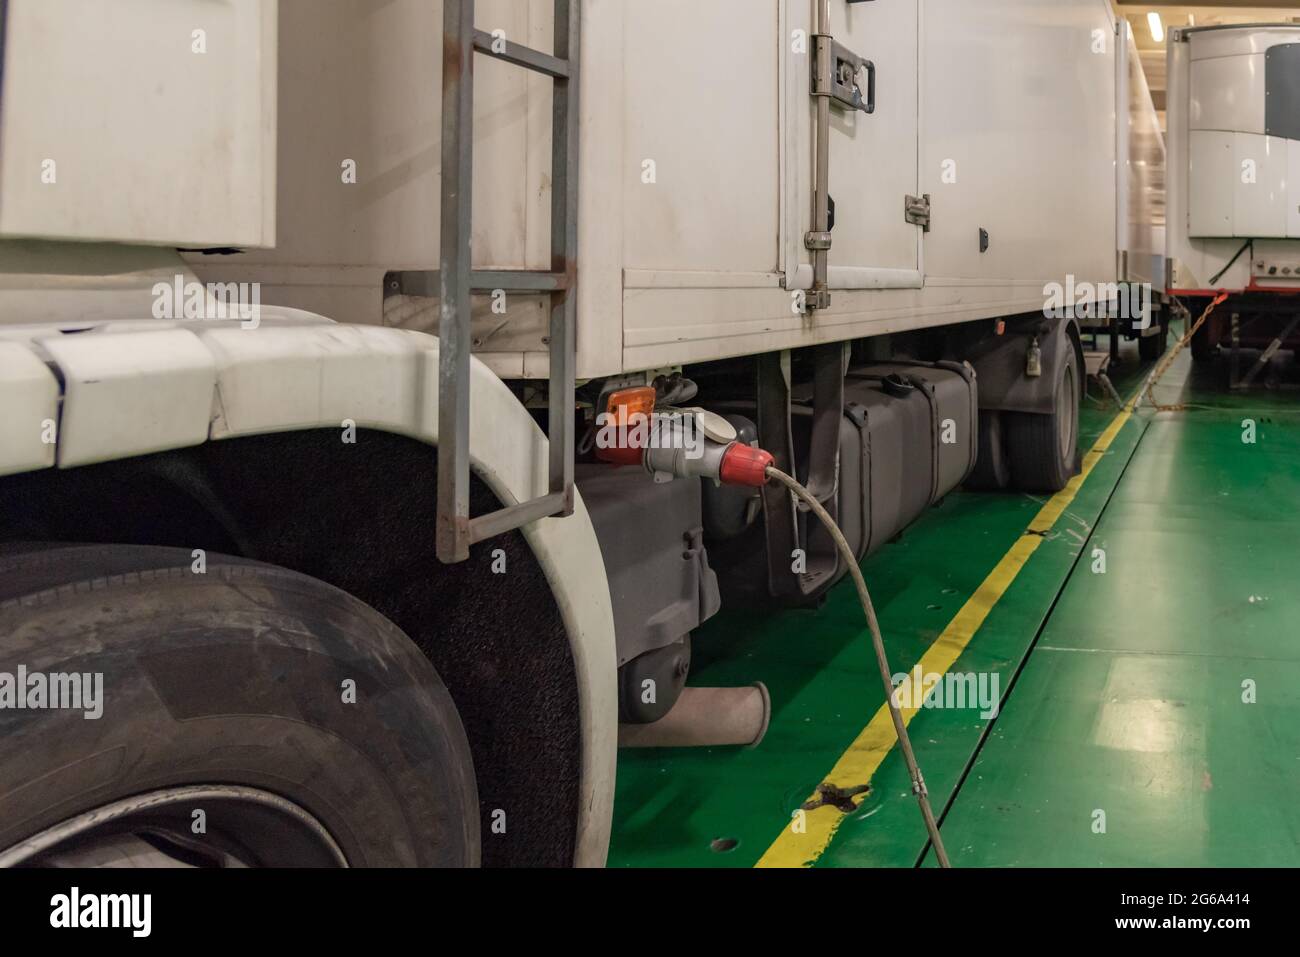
(787,525)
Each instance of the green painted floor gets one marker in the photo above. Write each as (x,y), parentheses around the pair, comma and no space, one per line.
(1122,691)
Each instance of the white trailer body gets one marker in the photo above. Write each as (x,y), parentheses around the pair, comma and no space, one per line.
(1142,190)
(1234,159)
(696,170)
(696,167)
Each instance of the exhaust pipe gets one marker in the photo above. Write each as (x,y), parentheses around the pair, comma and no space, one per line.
(704,718)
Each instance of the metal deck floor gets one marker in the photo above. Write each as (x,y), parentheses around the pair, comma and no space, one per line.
(1122,691)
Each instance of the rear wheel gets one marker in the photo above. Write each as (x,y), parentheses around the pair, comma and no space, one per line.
(219,712)
(992,471)
(1043,448)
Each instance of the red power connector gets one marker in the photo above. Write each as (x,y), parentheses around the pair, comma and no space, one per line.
(745,465)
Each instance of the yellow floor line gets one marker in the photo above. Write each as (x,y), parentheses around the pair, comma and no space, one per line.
(809,834)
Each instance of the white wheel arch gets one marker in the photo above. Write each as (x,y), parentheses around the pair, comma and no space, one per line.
(135,388)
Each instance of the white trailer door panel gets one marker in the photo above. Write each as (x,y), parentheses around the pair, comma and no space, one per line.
(700,138)
(873,156)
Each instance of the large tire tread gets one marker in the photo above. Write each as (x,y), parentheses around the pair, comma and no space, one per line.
(232,676)
(1034,441)
(992,472)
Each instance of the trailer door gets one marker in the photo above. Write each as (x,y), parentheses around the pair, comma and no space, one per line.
(875,243)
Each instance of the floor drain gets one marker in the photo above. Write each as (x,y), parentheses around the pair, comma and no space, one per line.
(723,844)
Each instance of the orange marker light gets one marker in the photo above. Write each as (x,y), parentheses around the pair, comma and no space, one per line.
(623,429)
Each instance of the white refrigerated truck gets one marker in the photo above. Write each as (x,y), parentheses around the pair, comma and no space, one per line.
(1234,186)
(308,312)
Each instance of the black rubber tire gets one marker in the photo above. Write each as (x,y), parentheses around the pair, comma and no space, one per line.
(1151,348)
(1042,458)
(992,472)
(233,676)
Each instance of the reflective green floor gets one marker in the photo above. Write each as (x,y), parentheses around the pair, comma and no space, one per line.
(1123,691)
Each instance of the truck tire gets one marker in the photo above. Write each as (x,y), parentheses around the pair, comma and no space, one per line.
(991,473)
(306,727)
(1151,348)
(1043,449)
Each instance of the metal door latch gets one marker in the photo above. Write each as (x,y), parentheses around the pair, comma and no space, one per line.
(916,210)
(836,72)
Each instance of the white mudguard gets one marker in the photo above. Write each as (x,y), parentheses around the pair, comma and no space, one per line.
(139,387)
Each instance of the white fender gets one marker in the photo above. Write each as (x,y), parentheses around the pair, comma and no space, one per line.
(135,388)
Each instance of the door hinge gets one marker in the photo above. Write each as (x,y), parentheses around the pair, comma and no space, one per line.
(916,210)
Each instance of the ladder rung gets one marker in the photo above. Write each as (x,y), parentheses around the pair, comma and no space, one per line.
(516,516)
(518,280)
(523,56)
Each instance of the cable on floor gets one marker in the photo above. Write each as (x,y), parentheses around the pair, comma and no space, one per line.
(900,727)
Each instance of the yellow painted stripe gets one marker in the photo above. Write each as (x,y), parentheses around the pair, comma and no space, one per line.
(803,841)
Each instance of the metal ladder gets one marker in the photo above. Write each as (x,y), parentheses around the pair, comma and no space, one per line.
(457,280)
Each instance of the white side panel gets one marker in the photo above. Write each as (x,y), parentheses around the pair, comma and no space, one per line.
(873,157)
(1293,186)
(1238,185)
(367,78)
(1260,206)
(1020,98)
(29,398)
(1227,93)
(131,393)
(1246,40)
(1142,199)
(114,126)
(366,82)
(701,109)
(1213,171)
(1124,133)
(700,263)
(1012,92)
(82,282)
